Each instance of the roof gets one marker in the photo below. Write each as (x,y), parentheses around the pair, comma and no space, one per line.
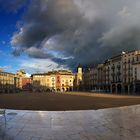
(59,72)
(116,56)
(136,63)
(6,72)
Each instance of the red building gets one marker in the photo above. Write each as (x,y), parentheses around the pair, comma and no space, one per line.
(58,82)
(26,83)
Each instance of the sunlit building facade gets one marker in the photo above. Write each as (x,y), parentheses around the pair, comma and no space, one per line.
(78,78)
(20,74)
(61,80)
(26,83)
(9,83)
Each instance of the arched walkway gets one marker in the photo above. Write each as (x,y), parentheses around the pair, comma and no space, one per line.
(131,88)
(107,89)
(58,89)
(63,89)
(126,89)
(70,89)
(119,88)
(113,88)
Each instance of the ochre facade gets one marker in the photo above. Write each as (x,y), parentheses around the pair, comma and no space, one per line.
(8,82)
(61,80)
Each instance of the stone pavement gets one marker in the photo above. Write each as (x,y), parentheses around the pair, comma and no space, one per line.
(106,124)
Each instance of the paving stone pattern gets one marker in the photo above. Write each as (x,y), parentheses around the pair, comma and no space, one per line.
(105,124)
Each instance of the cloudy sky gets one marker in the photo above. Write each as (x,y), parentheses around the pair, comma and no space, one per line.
(40,35)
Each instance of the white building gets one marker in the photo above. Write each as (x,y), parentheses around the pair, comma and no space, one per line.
(136,77)
(117,74)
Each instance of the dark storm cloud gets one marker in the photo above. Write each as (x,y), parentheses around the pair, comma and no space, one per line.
(37,53)
(78,31)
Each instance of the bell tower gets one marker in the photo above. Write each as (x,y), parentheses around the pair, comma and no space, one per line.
(79,74)
(79,69)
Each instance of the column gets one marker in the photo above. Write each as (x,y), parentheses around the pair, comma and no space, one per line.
(116,89)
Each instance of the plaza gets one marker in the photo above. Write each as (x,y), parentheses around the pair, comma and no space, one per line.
(52,101)
(69,116)
(121,123)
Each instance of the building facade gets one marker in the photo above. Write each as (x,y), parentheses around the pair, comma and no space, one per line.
(61,80)
(27,83)
(128,59)
(116,75)
(9,83)
(136,77)
(86,80)
(21,74)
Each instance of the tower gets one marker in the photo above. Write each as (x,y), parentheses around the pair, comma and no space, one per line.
(79,69)
(79,74)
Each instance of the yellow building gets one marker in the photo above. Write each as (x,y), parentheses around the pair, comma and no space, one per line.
(61,80)
(8,82)
(20,74)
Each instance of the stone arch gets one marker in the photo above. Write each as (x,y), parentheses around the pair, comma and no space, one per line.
(70,89)
(113,88)
(58,89)
(119,88)
(11,91)
(6,91)
(131,88)
(126,89)
(63,89)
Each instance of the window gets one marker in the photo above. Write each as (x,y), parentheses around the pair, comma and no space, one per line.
(137,58)
(133,59)
(135,71)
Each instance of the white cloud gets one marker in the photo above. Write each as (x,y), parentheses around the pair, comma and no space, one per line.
(5,68)
(39,65)
(28,75)
(124,12)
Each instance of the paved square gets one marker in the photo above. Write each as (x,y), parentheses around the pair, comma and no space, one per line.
(106,124)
